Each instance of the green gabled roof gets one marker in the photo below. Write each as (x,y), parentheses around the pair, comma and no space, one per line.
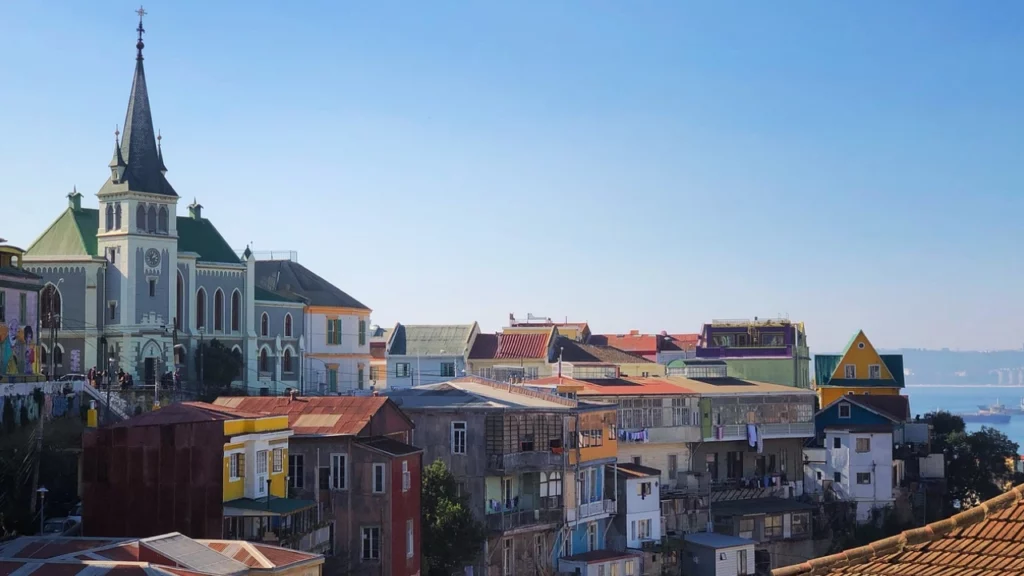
(74,234)
(202,237)
(268,296)
(824,366)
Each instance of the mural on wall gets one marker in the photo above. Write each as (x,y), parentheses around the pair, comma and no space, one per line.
(18,353)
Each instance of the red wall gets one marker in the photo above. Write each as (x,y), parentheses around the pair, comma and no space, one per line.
(405,506)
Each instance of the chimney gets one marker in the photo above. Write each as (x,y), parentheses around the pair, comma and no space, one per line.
(75,199)
(292,394)
(195,210)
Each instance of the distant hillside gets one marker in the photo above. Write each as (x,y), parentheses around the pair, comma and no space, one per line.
(956,367)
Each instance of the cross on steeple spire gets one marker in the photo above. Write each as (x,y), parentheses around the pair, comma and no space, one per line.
(140,45)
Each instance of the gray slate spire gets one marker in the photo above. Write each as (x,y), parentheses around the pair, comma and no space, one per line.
(144,166)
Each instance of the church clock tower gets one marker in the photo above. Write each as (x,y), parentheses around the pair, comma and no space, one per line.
(138,235)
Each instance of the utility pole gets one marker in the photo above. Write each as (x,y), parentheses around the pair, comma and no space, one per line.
(52,319)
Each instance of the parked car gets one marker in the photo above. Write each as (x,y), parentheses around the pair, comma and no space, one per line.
(54,527)
(76,513)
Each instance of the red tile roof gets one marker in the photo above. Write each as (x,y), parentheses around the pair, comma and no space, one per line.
(647,343)
(987,540)
(314,415)
(522,346)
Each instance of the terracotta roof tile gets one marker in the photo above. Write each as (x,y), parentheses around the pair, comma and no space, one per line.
(522,346)
(314,415)
(987,540)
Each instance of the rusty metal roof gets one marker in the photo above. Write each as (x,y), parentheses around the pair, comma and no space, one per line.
(313,415)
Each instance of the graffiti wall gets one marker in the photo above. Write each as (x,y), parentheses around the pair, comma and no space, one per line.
(19,342)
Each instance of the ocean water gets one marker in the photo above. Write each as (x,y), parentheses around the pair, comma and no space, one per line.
(956,399)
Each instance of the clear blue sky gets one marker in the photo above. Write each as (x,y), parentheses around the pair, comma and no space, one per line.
(635,164)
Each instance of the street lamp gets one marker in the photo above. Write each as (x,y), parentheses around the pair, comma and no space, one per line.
(42,499)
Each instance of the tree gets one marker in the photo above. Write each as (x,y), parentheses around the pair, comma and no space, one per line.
(977,463)
(221,365)
(452,538)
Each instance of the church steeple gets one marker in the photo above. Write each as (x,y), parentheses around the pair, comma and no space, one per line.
(138,150)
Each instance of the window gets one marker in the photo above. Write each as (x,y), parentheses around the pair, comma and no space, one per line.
(746,528)
(506,557)
(264,324)
(110,217)
(734,464)
(801,523)
(448,369)
(362,332)
(112,255)
(140,217)
(278,460)
(615,568)
(600,570)
(875,372)
(22,308)
(162,219)
(837,442)
(849,371)
(844,410)
(236,311)
(288,325)
(201,308)
(741,563)
(673,463)
(338,471)
(43,354)
(378,478)
(592,536)
(409,542)
(863,445)
(374,373)
(773,526)
(332,379)
(644,529)
(295,470)
(179,315)
(458,437)
(117,216)
(237,466)
(550,484)
(359,376)
(286,361)
(264,360)
(863,477)
(406,476)
(151,219)
(371,543)
(152,287)
(630,568)
(50,305)
(402,370)
(333,331)
(261,462)
(58,355)
(643,489)
(218,310)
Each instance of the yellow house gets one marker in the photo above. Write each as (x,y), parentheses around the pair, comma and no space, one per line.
(860,369)
(513,355)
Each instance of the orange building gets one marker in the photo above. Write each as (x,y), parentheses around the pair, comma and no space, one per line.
(860,369)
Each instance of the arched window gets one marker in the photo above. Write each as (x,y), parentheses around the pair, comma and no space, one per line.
(117,216)
(179,355)
(218,310)
(288,325)
(50,306)
(286,362)
(236,311)
(264,361)
(180,312)
(140,217)
(58,355)
(201,308)
(44,356)
(163,219)
(151,219)
(264,325)
(110,217)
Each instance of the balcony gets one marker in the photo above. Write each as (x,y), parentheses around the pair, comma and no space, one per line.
(589,510)
(730,432)
(524,461)
(526,511)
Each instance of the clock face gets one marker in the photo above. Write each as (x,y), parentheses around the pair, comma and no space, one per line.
(152,257)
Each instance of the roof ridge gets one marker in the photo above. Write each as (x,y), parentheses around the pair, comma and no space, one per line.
(912,537)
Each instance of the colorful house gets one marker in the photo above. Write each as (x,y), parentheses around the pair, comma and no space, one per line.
(19,320)
(773,351)
(860,369)
(203,470)
(515,354)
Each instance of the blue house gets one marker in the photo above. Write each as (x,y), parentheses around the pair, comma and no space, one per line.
(862,410)
(418,355)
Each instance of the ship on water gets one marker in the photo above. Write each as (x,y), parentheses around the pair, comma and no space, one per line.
(985,417)
(999,408)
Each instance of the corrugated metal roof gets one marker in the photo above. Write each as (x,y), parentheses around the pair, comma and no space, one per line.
(187,553)
(426,340)
(522,346)
(352,413)
(293,279)
(184,413)
(572,351)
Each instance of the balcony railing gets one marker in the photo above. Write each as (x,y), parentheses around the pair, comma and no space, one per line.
(739,431)
(517,519)
(590,509)
(524,461)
